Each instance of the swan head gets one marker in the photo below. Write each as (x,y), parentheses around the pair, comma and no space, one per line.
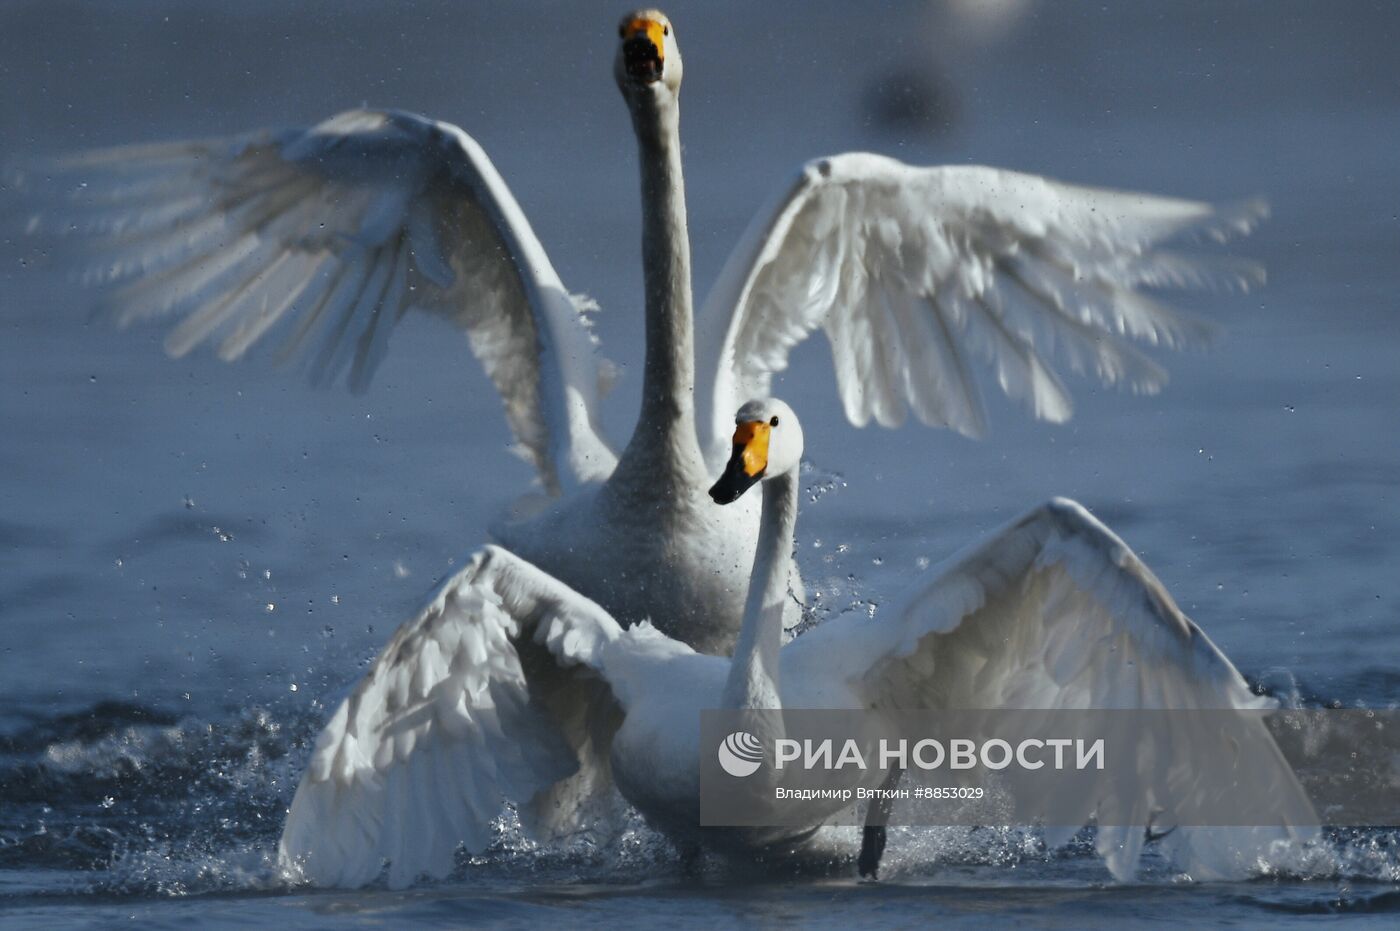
(767,444)
(648,61)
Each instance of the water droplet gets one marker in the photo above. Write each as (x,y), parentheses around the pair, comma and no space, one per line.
(270,607)
(293,686)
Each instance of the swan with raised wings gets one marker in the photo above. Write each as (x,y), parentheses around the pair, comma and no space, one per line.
(333,233)
(1052,611)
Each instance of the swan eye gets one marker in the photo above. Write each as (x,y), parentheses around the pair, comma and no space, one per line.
(774,421)
(665,30)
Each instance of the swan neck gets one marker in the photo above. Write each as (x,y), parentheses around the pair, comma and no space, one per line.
(753,675)
(668,378)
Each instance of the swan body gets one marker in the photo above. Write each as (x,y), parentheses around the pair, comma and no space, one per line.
(667,549)
(330,235)
(1053,611)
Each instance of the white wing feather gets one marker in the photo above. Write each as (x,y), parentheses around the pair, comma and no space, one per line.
(340,229)
(451,723)
(915,273)
(1056,612)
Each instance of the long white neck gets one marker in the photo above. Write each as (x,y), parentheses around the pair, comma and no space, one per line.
(753,674)
(666,426)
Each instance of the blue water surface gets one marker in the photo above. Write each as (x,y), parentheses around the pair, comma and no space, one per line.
(195,558)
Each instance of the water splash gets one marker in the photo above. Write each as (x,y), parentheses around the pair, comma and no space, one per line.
(130,801)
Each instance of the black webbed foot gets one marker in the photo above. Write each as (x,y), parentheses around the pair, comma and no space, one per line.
(872,848)
(1149,835)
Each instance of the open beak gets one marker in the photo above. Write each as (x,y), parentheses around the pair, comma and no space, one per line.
(643,50)
(746,464)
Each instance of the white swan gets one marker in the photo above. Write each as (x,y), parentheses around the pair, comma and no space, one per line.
(1052,611)
(336,231)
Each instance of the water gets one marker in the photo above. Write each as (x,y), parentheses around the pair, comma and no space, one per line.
(194,558)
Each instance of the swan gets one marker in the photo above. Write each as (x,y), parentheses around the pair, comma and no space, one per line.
(1052,611)
(333,233)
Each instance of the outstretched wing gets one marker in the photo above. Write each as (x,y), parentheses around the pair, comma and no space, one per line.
(1056,612)
(337,231)
(451,723)
(915,273)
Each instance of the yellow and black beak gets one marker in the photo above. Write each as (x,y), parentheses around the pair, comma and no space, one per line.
(643,48)
(747,463)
